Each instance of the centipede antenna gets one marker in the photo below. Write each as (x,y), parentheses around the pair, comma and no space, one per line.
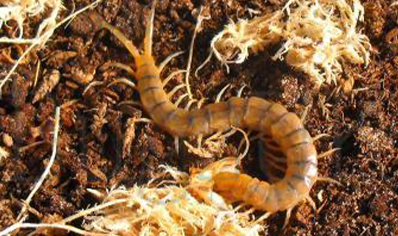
(171,75)
(149,31)
(327,153)
(168,59)
(119,35)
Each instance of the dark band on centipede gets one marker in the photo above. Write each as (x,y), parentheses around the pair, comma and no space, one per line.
(157,105)
(151,88)
(305,163)
(295,132)
(277,120)
(149,77)
(265,112)
(298,144)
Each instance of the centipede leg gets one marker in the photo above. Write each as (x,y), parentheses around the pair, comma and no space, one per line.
(192,101)
(319,136)
(119,65)
(263,217)
(311,201)
(189,104)
(288,214)
(168,59)
(219,95)
(123,81)
(179,100)
(327,153)
(330,180)
(171,75)
(239,94)
(175,89)
(200,103)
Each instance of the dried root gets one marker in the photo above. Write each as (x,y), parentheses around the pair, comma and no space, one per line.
(318,35)
(167,210)
(188,207)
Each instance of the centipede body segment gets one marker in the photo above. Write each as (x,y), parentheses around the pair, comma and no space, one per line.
(290,146)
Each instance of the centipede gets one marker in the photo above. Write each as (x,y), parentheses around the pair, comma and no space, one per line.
(290,147)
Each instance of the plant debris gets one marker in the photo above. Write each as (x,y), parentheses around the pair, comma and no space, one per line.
(318,36)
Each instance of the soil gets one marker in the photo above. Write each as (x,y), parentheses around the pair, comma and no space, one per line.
(360,119)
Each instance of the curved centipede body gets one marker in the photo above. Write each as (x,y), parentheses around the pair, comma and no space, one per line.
(285,133)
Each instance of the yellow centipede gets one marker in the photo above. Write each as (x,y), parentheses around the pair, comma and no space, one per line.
(285,133)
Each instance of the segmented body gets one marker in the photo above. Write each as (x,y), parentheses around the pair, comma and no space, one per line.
(284,129)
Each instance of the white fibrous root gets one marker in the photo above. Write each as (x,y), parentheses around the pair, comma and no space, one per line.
(19,10)
(317,37)
(232,45)
(170,210)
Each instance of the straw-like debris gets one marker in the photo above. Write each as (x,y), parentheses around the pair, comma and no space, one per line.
(318,37)
(20,10)
(170,210)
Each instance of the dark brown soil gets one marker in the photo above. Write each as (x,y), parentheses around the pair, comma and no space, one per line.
(363,123)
